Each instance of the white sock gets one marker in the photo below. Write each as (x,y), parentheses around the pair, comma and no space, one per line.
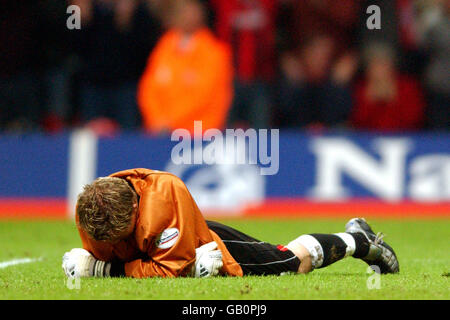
(312,245)
(349,241)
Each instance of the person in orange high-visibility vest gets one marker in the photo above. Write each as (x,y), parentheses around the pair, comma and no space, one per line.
(188,76)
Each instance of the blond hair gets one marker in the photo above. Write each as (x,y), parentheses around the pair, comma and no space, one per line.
(105,208)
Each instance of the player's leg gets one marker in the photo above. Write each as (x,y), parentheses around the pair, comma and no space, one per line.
(319,250)
(358,241)
(254,256)
(312,251)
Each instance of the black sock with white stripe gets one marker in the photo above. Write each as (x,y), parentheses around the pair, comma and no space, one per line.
(361,245)
(326,249)
(333,248)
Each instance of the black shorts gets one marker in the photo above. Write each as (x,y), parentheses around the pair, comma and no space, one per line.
(255,257)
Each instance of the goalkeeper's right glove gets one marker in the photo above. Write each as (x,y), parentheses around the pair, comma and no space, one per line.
(79,263)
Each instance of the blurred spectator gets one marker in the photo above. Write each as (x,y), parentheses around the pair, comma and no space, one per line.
(311,18)
(188,76)
(113,43)
(20,60)
(315,89)
(249,27)
(164,9)
(384,98)
(412,57)
(318,62)
(435,38)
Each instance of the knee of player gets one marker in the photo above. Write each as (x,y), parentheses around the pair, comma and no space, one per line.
(305,257)
(306,265)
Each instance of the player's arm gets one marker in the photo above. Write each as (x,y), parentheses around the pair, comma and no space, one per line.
(90,261)
(172,240)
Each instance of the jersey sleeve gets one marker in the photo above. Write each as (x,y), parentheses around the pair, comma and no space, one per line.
(168,222)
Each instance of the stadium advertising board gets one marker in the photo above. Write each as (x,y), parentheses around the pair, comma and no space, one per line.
(317,174)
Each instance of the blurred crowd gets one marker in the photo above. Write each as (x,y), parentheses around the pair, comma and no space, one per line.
(158,65)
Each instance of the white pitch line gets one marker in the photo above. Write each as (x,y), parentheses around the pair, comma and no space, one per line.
(13,262)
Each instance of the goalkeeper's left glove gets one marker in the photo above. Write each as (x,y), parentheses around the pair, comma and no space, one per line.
(208,261)
(79,263)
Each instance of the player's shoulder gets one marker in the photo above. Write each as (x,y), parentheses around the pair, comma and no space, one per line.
(150,176)
(167,178)
(137,173)
(143,180)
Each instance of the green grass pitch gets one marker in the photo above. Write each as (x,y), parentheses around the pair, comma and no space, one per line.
(422,248)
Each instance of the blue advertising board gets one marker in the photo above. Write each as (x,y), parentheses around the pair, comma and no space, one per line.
(328,167)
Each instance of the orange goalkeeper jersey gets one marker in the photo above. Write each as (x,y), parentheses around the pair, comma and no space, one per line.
(169,227)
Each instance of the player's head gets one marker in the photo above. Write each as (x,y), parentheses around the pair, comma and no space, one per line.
(107,209)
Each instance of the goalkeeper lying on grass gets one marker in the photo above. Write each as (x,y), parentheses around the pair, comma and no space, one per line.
(144,223)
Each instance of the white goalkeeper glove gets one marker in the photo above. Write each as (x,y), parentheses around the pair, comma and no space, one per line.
(79,263)
(208,261)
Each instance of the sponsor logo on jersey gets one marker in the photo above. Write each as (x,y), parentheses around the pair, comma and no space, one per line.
(167,238)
